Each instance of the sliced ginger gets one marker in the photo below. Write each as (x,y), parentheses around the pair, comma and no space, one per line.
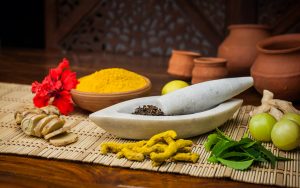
(63,139)
(160,148)
(275,107)
(45,122)
(42,123)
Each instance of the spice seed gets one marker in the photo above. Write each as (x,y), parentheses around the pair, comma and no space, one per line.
(148,110)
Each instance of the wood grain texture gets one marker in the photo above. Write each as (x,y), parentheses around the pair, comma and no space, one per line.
(288,21)
(24,66)
(241,12)
(33,172)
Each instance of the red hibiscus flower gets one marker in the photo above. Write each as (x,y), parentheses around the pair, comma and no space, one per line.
(56,87)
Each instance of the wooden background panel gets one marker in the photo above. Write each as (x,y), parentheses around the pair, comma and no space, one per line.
(155,27)
(136,28)
(281,15)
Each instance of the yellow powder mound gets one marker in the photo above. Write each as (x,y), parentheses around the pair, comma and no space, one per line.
(111,81)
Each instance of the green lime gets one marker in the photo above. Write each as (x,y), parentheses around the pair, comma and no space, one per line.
(286,134)
(260,126)
(293,117)
(173,85)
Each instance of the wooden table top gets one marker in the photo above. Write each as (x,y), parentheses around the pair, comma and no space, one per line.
(25,66)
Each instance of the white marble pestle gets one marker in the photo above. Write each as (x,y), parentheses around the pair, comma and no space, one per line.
(194,110)
(202,96)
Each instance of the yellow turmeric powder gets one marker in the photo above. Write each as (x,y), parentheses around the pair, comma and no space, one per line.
(111,80)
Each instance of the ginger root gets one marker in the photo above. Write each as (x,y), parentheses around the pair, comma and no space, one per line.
(160,148)
(45,122)
(275,107)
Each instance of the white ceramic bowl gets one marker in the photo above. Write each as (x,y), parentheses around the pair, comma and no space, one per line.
(119,121)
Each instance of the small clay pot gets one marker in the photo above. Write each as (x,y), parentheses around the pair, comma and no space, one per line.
(209,68)
(181,64)
(239,47)
(277,66)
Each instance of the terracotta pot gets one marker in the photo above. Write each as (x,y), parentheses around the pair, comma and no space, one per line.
(277,66)
(209,68)
(181,64)
(239,48)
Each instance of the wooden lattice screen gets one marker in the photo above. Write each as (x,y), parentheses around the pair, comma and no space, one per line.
(155,27)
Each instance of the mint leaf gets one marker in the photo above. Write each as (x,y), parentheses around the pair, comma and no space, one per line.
(255,154)
(283,159)
(246,134)
(212,159)
(268,155)
(221,146)
(236,154)
(222,135)
(247,142)
(239,165)
(240,154)
(212,139)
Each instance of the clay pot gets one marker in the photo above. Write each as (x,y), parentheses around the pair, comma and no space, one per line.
(181,64)
(277,66)
(239,48)
(209,68)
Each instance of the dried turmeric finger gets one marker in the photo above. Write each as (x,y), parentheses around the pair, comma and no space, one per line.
(159,137)
(135,144)
(132,155)
(155,163)
(120,154)
(116,147)
(110,147)
(161,148)
(181,143)
(187,157)
(145,150)
(170,150)
(168,139)
(185,149)
(161,157)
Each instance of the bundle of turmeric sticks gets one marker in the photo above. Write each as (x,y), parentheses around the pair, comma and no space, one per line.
(160,148)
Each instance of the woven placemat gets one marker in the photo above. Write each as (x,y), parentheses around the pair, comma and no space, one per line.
(86,149)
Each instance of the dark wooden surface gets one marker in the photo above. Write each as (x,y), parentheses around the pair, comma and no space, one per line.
(25,66)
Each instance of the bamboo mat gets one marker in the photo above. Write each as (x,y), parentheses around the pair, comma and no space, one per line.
(86,149)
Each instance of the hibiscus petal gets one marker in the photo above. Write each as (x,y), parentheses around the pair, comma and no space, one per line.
(64,64)
(55,74)
(35,86)
(63,102)
(40,101)
(57,86)
(69,80)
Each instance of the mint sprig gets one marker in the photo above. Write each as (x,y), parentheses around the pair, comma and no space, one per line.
(240,154)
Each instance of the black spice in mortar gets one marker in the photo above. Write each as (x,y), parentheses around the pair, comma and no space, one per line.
(148,110)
